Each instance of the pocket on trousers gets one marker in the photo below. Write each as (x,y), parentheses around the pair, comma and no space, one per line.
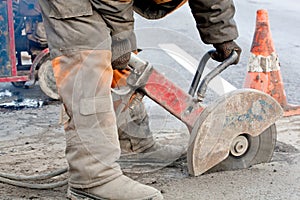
(63,9)
(90,106)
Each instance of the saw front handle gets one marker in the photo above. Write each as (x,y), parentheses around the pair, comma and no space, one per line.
(216,71)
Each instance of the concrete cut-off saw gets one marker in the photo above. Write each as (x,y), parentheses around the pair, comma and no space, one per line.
(235,131)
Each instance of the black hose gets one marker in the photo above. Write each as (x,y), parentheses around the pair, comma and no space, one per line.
(34,177)
(17,180)
(42,186)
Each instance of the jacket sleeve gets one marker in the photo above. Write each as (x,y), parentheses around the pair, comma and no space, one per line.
(214,19)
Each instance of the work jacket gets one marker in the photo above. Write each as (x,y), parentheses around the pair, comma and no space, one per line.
(214,18)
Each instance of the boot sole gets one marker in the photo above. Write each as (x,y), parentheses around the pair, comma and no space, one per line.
(78,195)
(74,194)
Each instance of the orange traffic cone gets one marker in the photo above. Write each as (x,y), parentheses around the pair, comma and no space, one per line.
(263,67)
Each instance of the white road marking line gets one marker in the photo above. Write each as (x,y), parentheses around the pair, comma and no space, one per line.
(218,84)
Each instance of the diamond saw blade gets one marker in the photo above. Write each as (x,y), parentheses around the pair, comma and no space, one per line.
(247,151)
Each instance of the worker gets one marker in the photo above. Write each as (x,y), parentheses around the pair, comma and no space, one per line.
(87,40)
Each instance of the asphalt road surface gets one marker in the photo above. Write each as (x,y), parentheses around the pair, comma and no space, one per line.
(32,141)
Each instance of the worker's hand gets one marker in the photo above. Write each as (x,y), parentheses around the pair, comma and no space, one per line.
(121,51)
(223,51)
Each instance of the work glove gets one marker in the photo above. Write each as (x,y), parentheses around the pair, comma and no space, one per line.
(223,51)
(121,51)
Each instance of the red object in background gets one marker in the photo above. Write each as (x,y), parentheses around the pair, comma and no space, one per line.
(8,68)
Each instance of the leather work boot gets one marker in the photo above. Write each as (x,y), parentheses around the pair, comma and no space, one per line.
(92,146)
(122,185)
(140,152)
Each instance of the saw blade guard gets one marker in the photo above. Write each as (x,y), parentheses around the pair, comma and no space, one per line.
(224,123)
